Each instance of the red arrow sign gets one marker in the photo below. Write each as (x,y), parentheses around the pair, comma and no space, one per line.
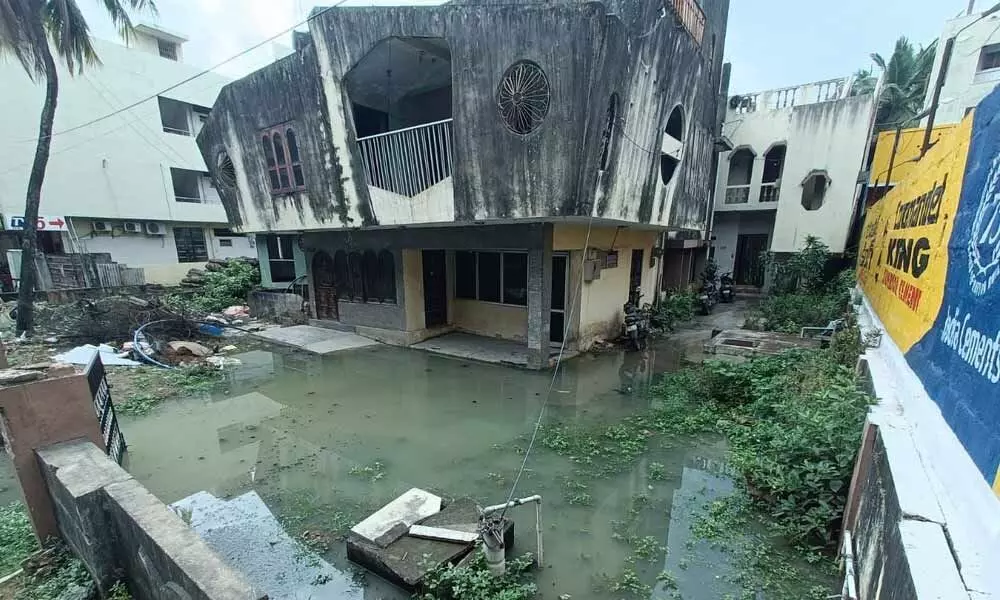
(57,222)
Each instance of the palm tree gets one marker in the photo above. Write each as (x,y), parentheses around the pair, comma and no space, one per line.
(31,30)
(907,74)
(864,83)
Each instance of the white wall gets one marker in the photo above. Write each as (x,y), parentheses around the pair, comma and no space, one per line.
(832,136)
(727,229)
(117,168)
(157,255)
(963,86)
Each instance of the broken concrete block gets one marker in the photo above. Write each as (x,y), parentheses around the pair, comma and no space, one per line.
(189,348)
(39,366)
(410,508)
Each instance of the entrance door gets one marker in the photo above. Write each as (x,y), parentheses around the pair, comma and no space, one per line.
(749,268)
(635,276)
(557,322)
(435,288)
(325,287)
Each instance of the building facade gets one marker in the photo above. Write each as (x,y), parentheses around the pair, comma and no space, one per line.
(793,172)
(133,185)
(510,170)
(972,68)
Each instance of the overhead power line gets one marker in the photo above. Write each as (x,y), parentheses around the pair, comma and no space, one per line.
(196,75)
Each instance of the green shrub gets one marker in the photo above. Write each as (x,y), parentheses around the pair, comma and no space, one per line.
(795,438)
(228,286)
(474,581)
(676,308)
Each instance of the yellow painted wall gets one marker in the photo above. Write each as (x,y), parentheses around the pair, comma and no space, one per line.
(494,320)
(598,309)
(996,483)
(910,142)
(908,304)
(413,289)
(168,274)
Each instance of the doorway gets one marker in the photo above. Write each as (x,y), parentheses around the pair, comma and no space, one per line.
(557,320)
(635,275)
(435,288)
(749,267)
(325,287)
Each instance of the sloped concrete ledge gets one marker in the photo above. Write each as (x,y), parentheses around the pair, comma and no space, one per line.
(116,526)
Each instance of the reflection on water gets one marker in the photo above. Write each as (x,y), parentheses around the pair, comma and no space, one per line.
(337,437)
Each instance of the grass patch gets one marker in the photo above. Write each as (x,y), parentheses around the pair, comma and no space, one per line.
(17,538)
(138,390)
(474,582)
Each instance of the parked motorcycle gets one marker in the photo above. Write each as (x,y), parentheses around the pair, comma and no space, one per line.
(708,296)
(727,288)
(636,322)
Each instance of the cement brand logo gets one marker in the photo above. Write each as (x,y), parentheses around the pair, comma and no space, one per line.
(984,239)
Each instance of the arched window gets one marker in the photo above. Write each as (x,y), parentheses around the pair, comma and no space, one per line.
(609,131)
(342,275)
(272,168)
(298,178)
(356,268)
(387,276)
(284,162)
(774,164)
(370,272)
(740,173)
(673,145)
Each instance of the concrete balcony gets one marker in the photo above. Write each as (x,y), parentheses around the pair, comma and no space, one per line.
(769,191)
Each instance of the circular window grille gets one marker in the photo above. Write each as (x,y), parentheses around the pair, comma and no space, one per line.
(225,170)
(523,97)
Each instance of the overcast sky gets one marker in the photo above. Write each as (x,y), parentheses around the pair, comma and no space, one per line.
(771,43)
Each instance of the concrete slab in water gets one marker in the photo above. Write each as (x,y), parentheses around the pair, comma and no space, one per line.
(317,340)
(477,347)
(410,508)
(248,536)
(406,560)
(743,342)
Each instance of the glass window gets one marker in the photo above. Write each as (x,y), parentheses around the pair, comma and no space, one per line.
(515,279)
(465,275)
(489,276)
(191,246)
(293,146)
(279,150)
(268,150)
(373,289)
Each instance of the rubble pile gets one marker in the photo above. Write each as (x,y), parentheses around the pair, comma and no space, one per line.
(195,277)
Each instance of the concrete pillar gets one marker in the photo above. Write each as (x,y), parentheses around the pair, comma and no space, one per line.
(540,297)
(35,415)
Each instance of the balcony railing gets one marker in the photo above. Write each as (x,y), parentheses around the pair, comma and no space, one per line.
(408,161)
(769,191)
(692,16)
(737,194)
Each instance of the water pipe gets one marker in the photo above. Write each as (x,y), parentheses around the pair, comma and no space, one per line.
(537,501)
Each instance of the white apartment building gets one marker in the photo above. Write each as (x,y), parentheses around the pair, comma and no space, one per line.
(793,172)
(973,68)
(133,185)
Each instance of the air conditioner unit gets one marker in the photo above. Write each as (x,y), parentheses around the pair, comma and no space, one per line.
(101,226)
(156,229)
(132,227)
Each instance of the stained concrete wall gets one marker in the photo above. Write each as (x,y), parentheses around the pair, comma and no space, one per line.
(35,415)
(490,319)
(729,226)
(118,528)
(640,51)
(964,85)
(830,136)
(598,312)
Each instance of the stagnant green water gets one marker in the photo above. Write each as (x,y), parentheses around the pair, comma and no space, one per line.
(327,440)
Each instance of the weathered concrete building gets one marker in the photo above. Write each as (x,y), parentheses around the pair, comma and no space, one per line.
(793,171)
(466,166)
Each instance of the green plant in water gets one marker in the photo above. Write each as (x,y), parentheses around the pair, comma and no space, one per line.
(656,471)
(373,472)
(647,548)
(17,538)
(474,581)
(119,591)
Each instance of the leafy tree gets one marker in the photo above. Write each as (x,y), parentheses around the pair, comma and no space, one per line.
(907,75)
(36,33)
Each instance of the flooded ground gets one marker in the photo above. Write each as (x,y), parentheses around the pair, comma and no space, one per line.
(325,441)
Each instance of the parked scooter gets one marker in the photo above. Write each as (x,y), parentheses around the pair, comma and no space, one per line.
(708,295)
(636,322)
(727,288)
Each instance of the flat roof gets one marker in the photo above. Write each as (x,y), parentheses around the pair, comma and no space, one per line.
(160,33)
